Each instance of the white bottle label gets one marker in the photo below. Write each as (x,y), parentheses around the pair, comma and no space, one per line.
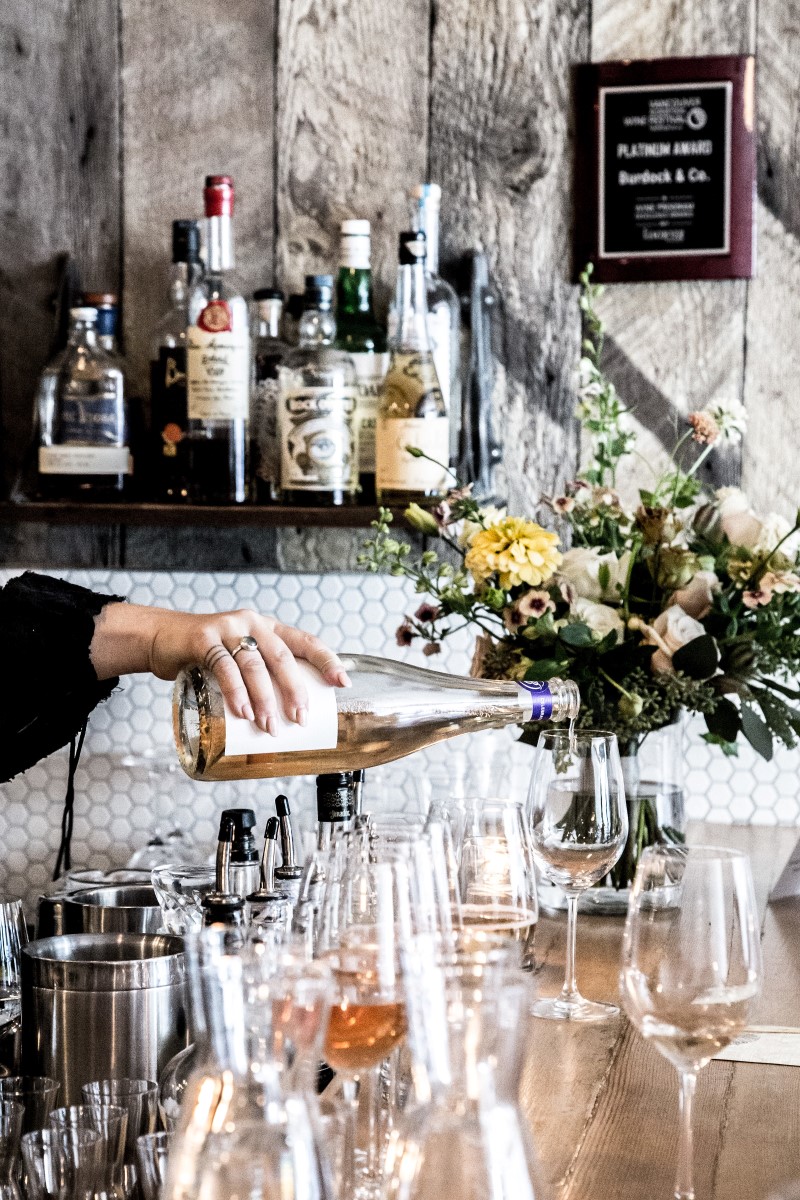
(318,439)
(217,375)
(439,334)
(370,372)
(85,460)
(399,471)
(321,731)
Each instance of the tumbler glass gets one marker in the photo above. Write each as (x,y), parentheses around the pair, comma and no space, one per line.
(111,1122)
(152,1152)
(37,1095)
(11,1114)
(61,1164)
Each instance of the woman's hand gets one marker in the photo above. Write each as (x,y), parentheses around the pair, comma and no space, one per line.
(131,637)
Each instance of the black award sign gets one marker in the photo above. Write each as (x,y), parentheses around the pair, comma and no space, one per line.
(665,169)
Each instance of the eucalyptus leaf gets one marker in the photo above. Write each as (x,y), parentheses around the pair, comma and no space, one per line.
(756,732)
(578,635)
(724,721)
(544,668)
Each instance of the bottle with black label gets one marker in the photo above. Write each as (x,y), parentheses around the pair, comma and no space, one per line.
(218,363)
(168,415)
(361,336)
(316,409)
(84,445)
(269,351)
(334,814)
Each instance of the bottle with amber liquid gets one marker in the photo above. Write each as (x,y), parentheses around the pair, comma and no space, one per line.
(412,412)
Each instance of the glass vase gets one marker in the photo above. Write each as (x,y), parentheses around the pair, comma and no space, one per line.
(653,769)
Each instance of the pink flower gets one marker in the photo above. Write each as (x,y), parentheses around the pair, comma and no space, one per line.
(757,597)
(705,429)
(563,504)
(431,648)
(781,581)
(441,514)
(405,634)
(698,595)
(534,603)
(427,613)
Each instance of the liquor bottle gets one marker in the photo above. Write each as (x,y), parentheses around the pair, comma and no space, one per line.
(364,339)
(83,419)
(269,352)
(444,310)
(391,710)
(168,415)
(218,363)
(289,873)
(107,306)
(412,409)
(223,906)
(316,409)
(334,814)
(269,909)
(244,869)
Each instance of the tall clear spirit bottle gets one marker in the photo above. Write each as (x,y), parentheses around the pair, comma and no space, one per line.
(391,710)
(84,449)
(412,411)
(218,363)
(269,351)
(168,413)
(361,335)
(316,409)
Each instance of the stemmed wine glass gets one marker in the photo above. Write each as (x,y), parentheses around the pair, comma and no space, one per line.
(691,963)
(579,824)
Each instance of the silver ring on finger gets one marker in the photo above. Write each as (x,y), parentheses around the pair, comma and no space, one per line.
(246,643)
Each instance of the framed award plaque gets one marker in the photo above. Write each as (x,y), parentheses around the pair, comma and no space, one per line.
(665,169)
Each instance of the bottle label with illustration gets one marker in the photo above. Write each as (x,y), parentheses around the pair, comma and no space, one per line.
(370,373)
(399,471)
(439,334)
(168,400)
(92,414)
(318,439)
(540,698)
(321,731)
(217,369)
(85,460)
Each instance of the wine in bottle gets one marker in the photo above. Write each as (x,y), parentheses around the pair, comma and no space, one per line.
(391,710)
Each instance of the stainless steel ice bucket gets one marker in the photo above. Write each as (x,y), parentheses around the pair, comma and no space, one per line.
(101,1006)
(124,908)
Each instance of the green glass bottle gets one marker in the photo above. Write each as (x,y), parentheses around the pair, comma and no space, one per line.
(364,339)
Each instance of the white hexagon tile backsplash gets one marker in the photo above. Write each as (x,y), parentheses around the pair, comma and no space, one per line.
(118,806)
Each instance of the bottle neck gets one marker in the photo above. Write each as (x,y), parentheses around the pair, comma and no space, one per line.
(412,309)
(354,292)
(426,218)
(183,276)
(269,318)
(83,333)
(317,327)
(219,245)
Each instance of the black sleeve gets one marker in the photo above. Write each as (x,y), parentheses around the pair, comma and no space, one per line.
(48,685)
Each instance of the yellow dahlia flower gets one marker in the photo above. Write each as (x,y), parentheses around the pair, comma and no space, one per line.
(519,551)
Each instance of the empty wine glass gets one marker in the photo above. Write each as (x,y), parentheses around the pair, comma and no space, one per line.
(691,963)
(11,1114)
(496,878)
(578,823)
(13,936)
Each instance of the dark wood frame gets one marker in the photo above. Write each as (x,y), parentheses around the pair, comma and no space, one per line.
(739,263)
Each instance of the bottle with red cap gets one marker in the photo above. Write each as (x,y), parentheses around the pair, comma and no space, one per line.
(218,363)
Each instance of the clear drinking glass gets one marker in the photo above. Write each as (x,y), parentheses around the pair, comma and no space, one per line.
(61,1164)
(691,963)
(180,890)
(139,1097)
(13,936)
(11,1115)
(152,1152)
(496,876)
(36,1093)
(111,1122)
(578,822)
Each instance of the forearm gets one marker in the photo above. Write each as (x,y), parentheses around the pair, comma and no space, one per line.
(123,639)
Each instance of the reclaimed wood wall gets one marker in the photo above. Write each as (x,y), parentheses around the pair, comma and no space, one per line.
(114,110)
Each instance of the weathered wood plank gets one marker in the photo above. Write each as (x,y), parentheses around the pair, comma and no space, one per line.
(685,339)
(198,91)
(501,150)
(351,127)
(59,160)
(771,469)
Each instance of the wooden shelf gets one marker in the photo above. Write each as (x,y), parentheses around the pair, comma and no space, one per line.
(175,516)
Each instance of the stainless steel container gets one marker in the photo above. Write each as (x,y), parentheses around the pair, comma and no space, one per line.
(101,1006)
(124,908)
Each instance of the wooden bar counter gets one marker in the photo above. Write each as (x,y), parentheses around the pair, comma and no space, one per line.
(603,1104)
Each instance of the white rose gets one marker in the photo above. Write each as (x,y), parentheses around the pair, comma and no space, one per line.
(698,595)
(581,567)
(600,618)
(675,628)
(773,530)
(740,524)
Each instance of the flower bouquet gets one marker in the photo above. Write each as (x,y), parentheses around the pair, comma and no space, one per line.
(679,601)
